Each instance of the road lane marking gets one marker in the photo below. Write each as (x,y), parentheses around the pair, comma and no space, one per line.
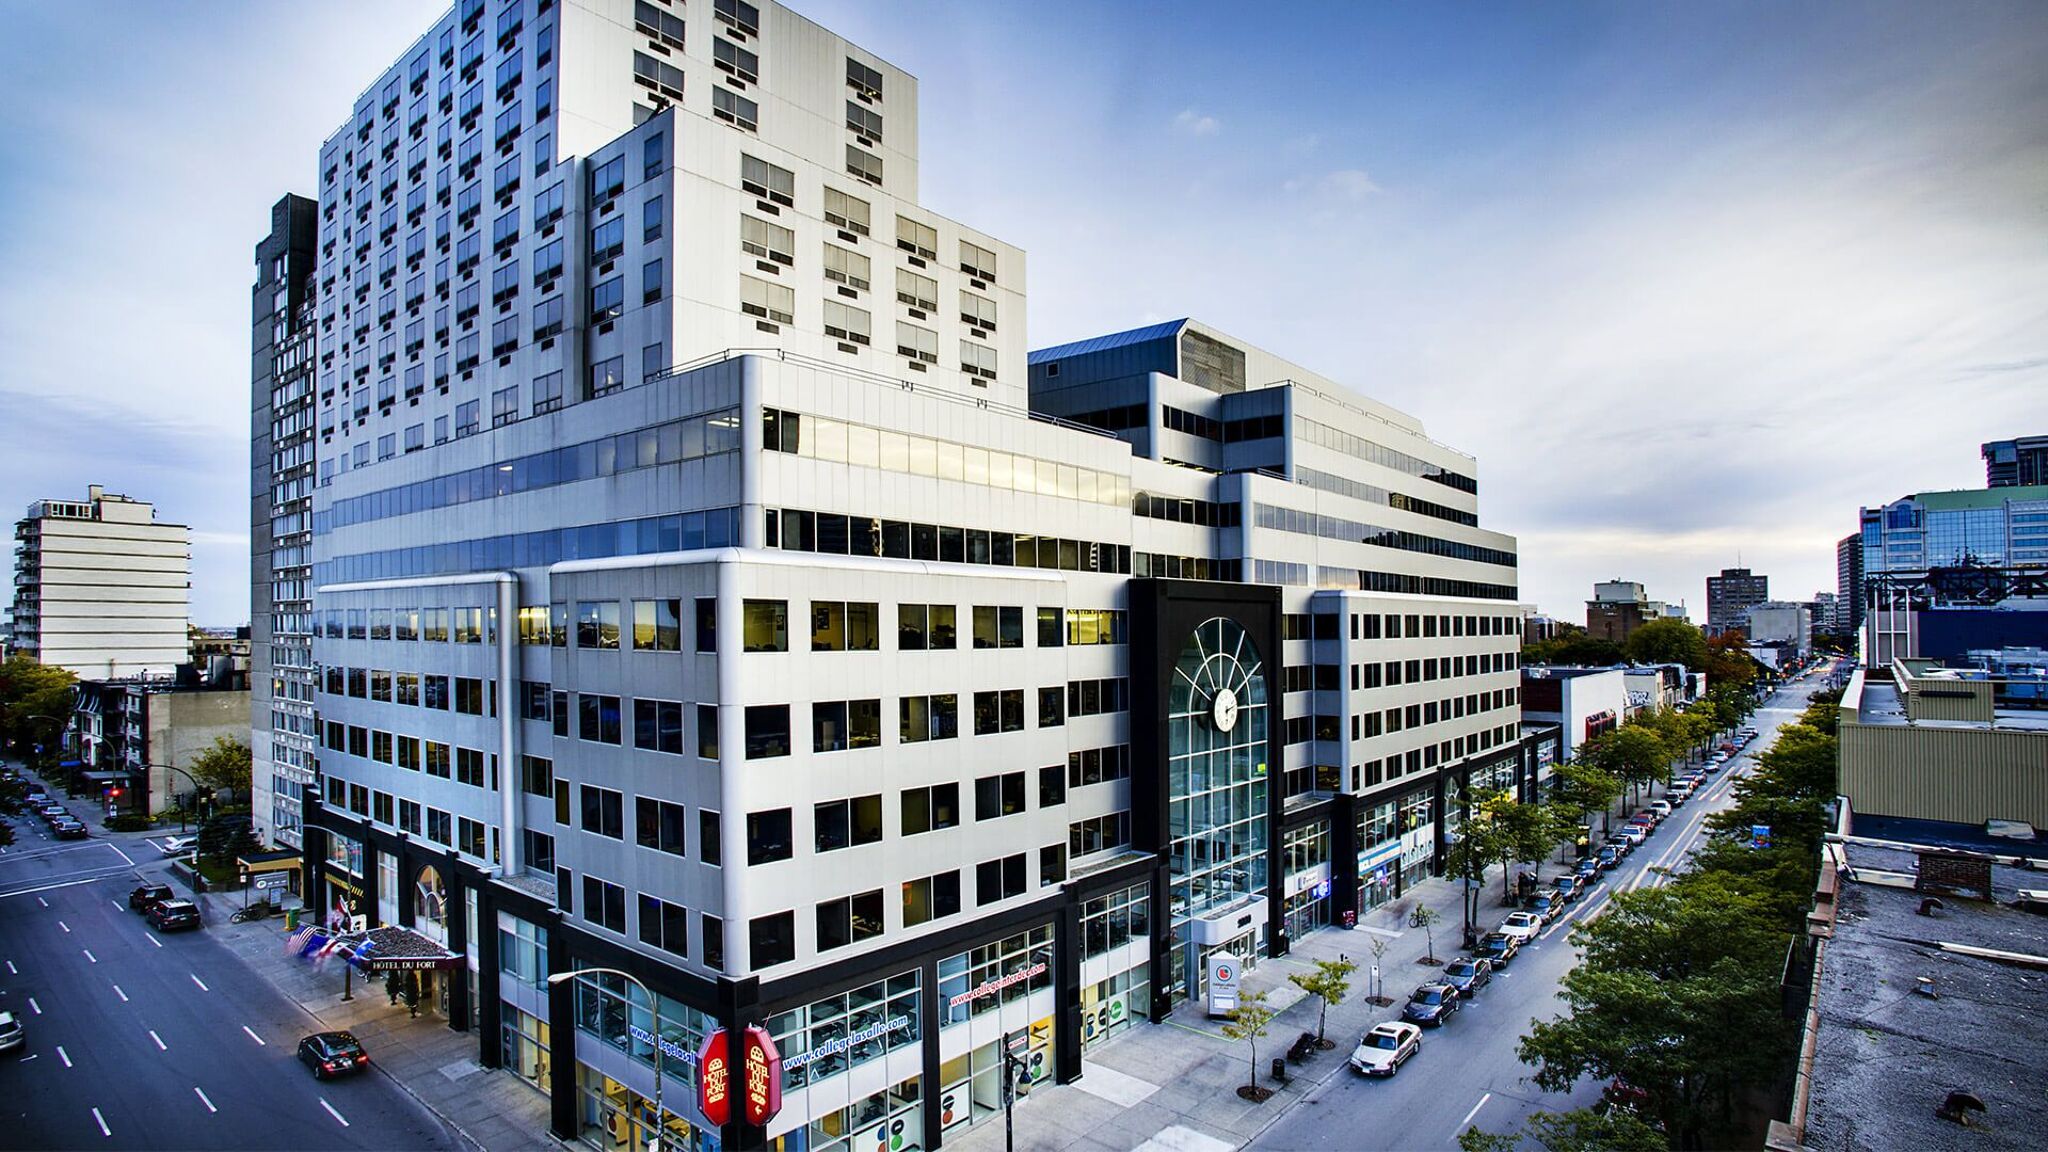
(121,854)
(160,1046)
(38,1008)
(1472,1113)
(108,872)
(201,983)
(89,955)
(10,969)
(253,1035)
(63,1055)
(154,940)
(116,904)
(205,1101)
(61,924)
(43,902)
(332,1112)
(102,1122)
(121,994)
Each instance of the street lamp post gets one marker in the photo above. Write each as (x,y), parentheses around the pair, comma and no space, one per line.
(654,1006)
(186,775)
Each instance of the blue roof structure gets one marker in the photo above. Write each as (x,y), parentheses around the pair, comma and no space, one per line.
(1113,340)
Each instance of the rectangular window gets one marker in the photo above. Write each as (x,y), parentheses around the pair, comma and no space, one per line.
(998,796)
(664,925)
(775,302)
(759,238)
(658,726)
(768,836)
(734,108)
(765,624)
(597,718)
(772,939)
(707,731)
(603,812)
(916,291)
(999,879)
(604,904)
(863,121)
(608,300)
(709,838)
(930,898)
(597,624)
(863,165)
(979,311)
(976,261)
(657,625)
(1052,706)
(650,219)
(659,825)
(863,80)
(849,920)
(849,213)
(767,731)
(998,626)
(730,57)
(921,240)
(845,322)
(767,181)
(846,267)
(915,343)
(850,823)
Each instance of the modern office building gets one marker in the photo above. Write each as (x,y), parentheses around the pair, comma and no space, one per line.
(1780,624)
(1730,595)
(283,341)
(2004,527)
(893,698)
(2016,463)
(101,587)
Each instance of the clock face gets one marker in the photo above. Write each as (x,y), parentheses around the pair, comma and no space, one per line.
(1223,710)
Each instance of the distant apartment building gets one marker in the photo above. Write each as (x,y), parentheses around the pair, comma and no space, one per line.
(1780,624)
(2020,462)
(1618,607)
(284,343)
(1849,593)
(1730,595)
(730,599)
(101,587)
(135,739)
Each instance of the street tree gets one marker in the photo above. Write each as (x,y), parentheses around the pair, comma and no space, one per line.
(225,764)
(1634,753)
(1426,918)
(35,702)
(1379,956)
(1668,642)
(1330,983)
(1249,1022)
(1579,1130)
(1585,787)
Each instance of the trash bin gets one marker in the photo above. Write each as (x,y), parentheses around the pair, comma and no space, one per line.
(291,919)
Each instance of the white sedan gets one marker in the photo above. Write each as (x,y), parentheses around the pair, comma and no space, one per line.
(1522,926)
(174,845)
(1386,1048)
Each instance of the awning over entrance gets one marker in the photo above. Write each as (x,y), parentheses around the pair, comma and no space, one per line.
(282,861)
(104,777)
(394,949)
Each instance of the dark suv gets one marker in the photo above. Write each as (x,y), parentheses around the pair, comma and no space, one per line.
(148,896)
(174,915)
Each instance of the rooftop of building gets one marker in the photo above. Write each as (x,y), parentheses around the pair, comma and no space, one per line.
(1875,702)
(1963,499)
(1886,1055)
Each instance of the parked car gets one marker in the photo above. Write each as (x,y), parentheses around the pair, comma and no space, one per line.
(333,1053)
(1546,905)
(68,829)
(1498,947)
(148,896)
(1521,926)
(1662,808)
(11,1035)
(1468,976)
(1567,889)
(37,797)
(51,811)
(1388,1046)
(1609,856)
(174,915)
(1431,1004)
(1588,872)
(1632,834)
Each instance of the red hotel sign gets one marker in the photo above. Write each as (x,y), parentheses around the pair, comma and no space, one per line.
(714,1080)
(761,1076)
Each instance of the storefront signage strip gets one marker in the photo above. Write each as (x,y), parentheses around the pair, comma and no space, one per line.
(669,1048)
(991,987)
(835,1047)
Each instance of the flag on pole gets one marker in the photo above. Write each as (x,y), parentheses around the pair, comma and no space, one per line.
(297,941)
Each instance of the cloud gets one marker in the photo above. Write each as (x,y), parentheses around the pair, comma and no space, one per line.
(1346,184)
(1193,123)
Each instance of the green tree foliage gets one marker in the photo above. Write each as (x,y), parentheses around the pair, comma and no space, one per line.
(1585,787)
(1729,663)
(1633,753)
(1330,983)
(1580,1130)
(1668,642)
(225,764)
(226,836)
(1249,1022)
(1573,646)
(35,702)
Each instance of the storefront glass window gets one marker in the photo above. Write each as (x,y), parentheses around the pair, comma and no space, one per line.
(985,978)
(617,1118)
(829,1036)
(616,1011)
(1116,919)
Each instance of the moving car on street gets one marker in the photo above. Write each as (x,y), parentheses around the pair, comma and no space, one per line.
(1468,976)
(11,1035)
(332,1054)
(68,828)
(1386,1048)
(1431,1004)
(174,915)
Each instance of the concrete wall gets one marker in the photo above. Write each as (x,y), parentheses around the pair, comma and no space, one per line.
(181,726)
(1965,775)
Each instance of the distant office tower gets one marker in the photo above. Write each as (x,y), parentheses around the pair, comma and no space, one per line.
(2016,463)
(1849,597)
(729,599)
(100,587)
(1981,527)
(1729,596)
(283,343)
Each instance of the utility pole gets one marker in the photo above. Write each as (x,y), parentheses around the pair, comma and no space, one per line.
(1013,1081)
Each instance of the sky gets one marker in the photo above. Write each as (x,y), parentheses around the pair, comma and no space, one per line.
(1693,282)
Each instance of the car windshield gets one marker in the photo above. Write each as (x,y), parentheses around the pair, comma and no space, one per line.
(1427,995)
(1381,1040)
(1461,969)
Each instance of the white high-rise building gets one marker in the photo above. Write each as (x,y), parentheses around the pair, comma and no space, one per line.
(101,587)
(751,615)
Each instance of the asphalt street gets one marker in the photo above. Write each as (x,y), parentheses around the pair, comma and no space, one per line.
(1467,1072)
(136,1040)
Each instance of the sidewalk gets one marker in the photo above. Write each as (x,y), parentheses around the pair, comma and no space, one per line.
(493,1110)
(1174,1085)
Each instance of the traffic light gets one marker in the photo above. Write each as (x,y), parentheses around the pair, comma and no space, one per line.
(114,793)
